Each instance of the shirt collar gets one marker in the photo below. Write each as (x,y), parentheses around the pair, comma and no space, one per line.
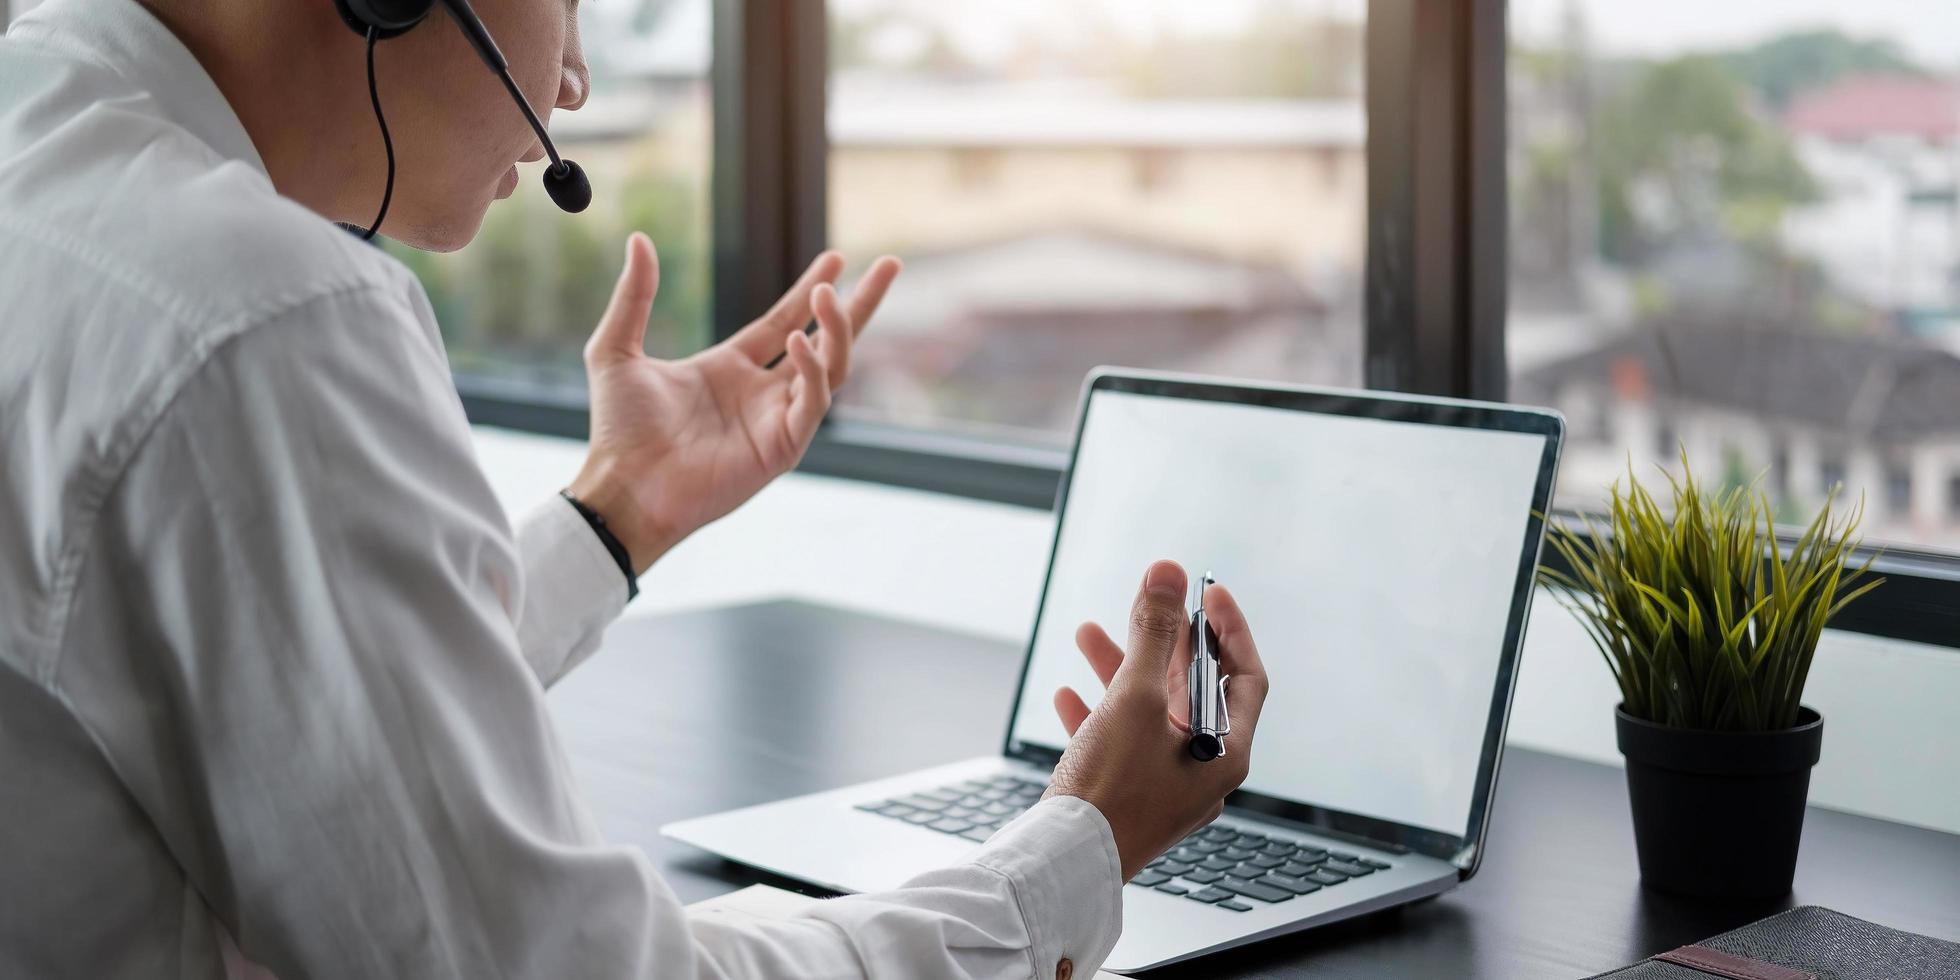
(123,37)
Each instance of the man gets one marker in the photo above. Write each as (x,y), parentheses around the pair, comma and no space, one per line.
(272,659)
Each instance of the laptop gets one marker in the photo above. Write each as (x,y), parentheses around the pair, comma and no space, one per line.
(1383,548)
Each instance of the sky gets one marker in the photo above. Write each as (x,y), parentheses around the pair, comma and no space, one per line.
(1927,29)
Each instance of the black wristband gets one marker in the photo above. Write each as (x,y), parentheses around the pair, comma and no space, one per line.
(606,537)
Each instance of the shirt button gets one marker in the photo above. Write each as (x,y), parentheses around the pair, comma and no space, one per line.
(1064,970)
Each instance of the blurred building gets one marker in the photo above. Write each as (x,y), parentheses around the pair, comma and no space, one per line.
(1051,225)
(1805,409)
(1886,151)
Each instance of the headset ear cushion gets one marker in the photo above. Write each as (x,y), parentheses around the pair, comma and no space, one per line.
(388,17)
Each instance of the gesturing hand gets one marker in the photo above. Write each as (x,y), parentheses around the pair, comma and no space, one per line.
(678,444)
(1128,757)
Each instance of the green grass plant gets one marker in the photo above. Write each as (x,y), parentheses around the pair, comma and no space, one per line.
(1706,621)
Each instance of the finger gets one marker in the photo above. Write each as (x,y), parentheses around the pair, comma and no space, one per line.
(622,331)
(1071,707)
(870,291)
(1102,652)
(1158,624)
(763,341)
(1238,656)
(833,334)
(812,398)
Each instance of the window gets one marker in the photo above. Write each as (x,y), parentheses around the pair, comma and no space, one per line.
(1150,183)
(1830,477)
(517,304)
(1743,214)
(1898,491)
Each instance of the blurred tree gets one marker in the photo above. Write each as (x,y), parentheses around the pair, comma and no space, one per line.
(1683,154)
(1785,66)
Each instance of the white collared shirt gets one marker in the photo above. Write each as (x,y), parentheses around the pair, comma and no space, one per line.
(272,658)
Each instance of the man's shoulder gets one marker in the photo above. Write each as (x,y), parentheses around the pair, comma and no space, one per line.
(122,197)
(205,244)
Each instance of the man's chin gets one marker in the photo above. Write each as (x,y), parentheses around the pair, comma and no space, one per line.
(446,233)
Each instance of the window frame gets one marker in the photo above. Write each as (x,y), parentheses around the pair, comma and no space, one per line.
(1436,272)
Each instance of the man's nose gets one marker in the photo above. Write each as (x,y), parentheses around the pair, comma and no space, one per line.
(573,87)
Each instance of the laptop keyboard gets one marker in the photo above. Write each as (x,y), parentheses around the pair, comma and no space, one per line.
(1224,866)
(972,808)
(1218,865)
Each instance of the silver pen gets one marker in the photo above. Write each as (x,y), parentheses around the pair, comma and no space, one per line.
(1210,722)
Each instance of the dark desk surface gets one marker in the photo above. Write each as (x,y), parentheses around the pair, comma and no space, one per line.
(686,715)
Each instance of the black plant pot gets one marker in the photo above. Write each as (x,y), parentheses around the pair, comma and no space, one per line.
(1718,814)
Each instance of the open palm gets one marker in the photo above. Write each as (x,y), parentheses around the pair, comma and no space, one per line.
(678,444)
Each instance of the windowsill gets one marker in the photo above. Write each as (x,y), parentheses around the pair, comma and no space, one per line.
(977,567)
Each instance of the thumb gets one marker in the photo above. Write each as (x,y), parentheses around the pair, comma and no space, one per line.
(622,331)
(1158,625)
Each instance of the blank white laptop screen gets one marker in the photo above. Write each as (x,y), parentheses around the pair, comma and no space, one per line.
(1375,560)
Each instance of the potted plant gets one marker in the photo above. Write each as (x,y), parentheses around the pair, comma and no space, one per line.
(1709,627)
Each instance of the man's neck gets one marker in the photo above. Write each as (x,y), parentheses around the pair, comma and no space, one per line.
(295,99)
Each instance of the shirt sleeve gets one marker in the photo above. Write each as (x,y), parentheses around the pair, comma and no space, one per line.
(309,668)
(572,589)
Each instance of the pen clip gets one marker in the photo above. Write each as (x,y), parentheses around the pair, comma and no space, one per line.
(1224,708)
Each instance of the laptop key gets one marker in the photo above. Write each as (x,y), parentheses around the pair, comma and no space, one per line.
(1208,895)
(1208,846)
(1266,861)
(1215,832)
(1342,855)
(948,825)
(1175,867)
(1247,838)
(1148,878)
(1235,854)
(977,834)
(1344,868)
(1217,864)
(1203,876)
(1172,888)
(1377,865)
(1253,889)
(920,801)
(921,817)
(1280,847)
(1295,868)
(1245,870)
(1298,886)
(1326,877)
(1235,905)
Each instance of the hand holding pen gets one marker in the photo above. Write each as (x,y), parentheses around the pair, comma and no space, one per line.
(1130,757)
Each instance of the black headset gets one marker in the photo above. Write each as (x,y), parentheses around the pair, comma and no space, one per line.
(378,20)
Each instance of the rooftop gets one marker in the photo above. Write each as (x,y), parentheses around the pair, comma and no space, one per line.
(1863,107)
(1862,386)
